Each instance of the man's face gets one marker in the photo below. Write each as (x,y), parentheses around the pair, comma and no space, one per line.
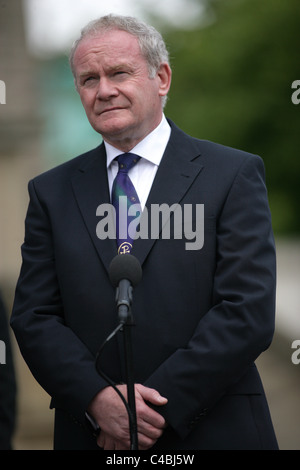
(112,77)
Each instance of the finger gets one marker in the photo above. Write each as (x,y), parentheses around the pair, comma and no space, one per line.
(101,439)
(105,441)
(149,420)
(122,446)
(111,443)
(151,395)
(149,431)
(145,442)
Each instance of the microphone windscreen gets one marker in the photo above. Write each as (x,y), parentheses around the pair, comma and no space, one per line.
(125,266)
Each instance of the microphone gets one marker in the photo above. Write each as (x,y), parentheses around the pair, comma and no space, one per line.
(125,272)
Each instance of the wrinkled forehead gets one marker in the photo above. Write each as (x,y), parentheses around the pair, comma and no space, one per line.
(111,44)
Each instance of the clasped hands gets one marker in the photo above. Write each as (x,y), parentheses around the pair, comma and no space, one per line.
(110,413)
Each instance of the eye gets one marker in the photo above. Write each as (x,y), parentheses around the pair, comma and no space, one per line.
(89,79)
(120,73)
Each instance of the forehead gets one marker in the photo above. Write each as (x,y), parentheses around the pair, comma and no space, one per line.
(108,47)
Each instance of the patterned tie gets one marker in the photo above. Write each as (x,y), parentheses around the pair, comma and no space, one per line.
(124,196)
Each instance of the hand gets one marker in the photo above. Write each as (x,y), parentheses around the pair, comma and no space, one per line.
(107,442)
(110,413)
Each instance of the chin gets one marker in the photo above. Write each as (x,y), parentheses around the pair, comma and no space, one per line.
(114,127)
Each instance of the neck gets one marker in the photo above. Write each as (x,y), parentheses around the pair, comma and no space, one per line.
(127,143)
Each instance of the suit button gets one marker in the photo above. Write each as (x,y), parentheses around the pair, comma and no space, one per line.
(198,418)
(201,415)
(203,412)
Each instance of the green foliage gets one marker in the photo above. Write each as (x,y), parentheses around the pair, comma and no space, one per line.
(232,84)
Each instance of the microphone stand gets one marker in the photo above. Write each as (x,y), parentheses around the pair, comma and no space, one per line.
(124,298)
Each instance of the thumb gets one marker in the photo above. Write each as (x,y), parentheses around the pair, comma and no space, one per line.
(151,395)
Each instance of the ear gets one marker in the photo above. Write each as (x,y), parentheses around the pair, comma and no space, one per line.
(164,74)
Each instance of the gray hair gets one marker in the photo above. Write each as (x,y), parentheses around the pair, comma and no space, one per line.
(152,45)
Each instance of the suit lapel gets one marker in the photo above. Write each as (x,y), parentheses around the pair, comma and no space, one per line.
(177,171)
(90,186)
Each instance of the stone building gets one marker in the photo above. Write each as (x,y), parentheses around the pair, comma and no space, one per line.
(19,138)
(20,128)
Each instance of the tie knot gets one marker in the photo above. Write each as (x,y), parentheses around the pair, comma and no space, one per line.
(127,161)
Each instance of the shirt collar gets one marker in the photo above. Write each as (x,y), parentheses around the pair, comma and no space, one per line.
(151,148)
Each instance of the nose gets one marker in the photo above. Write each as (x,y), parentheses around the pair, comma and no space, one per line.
(106,89)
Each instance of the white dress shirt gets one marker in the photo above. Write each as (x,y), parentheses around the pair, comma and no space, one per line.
(151,150)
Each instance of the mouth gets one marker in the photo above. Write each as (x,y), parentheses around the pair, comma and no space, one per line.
(109,110)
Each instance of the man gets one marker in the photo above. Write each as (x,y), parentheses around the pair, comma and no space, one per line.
(201,316)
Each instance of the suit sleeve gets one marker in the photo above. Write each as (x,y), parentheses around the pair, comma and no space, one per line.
(240,324)
(57,358)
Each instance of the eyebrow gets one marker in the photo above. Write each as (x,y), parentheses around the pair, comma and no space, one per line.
(86,74)
(113,68)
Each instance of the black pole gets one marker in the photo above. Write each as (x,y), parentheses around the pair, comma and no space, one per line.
(125,316)
(125,272)
(130,385)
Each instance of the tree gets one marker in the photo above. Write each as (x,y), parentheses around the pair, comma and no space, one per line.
(232,83)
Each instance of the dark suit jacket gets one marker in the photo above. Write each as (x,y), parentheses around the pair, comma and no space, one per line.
(7,385)
(201,317)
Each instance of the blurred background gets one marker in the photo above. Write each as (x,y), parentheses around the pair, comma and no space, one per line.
(234,67)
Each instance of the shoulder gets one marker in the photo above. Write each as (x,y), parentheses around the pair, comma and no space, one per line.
(214,154)
(67,169)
